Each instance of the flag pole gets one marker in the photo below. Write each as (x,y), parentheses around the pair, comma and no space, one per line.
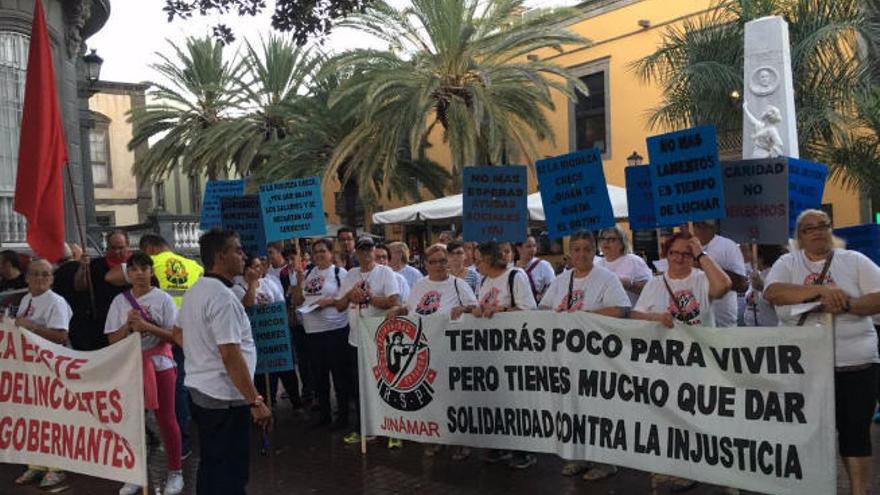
(81,231)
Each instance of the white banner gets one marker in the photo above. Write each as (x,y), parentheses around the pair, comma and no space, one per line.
(746,407)
(73,410)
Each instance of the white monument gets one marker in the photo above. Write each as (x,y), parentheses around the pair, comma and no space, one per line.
(769,125)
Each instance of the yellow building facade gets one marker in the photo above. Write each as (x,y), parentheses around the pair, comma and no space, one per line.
(614,117)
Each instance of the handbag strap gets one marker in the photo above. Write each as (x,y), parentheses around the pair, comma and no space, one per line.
(818,281)
(134,304)
(672,296)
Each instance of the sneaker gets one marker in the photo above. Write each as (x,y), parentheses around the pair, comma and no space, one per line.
(29,476)
(495,456)
(174,483)
(523,461)
(129,489)
(355,437)
(53,478)
(600,472)
(395,443)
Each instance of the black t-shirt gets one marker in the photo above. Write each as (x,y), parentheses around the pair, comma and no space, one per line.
(104,292)
(18,282)
(84,333)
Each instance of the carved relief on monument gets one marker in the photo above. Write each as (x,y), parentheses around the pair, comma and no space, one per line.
(764,81)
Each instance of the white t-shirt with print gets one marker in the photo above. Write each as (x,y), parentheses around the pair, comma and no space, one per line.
(265,293)
(49,310)
(321,284)
(161,308)
(628,266)
(402,286)
(727,255)
(854,336)
(211,315)
(496,291)
(542,275)
(599,289)
(692,293)
(428,296)
(378,282)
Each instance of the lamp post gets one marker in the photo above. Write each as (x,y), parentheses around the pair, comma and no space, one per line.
(634,159)
(93,63)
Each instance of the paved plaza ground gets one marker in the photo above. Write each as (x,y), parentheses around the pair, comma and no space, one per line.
(306,461)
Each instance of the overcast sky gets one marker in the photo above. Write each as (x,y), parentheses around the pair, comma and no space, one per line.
(138,28)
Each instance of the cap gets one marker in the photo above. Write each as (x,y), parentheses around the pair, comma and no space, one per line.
(365,243)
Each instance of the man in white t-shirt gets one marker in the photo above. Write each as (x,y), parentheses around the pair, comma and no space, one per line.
(367,290)
(221,358)
(48,315)
(540,272)
(728,256)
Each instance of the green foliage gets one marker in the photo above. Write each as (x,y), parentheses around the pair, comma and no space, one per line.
(699,65)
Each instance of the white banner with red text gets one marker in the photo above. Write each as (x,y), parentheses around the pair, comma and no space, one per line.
(73,410)
(751,408)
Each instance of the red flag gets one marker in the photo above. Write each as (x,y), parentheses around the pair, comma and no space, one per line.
(42,149)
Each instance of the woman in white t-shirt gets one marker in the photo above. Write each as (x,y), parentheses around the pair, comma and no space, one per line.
(252,288)
(151,313)
(438,292)
(458,265)
(758,312)
(632,270)
(683,293)
(846,285)
(326,330)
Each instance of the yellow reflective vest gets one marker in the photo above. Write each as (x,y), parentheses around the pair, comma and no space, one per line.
(176,274)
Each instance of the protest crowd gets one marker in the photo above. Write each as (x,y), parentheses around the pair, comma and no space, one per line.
(200,356)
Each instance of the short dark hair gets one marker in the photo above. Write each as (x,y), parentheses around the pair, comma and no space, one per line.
(343,230)
(275,245)
(140,259)
(12,257)
(212,243)
(326,241)
(288,251)
(152,240)
(453,245)
(492,251)
(384,247)
(583,235)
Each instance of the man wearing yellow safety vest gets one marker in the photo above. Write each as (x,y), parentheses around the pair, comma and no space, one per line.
(176,274)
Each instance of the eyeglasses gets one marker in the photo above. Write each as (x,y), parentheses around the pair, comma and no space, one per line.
(609,239)
(679,254)
(40,274)
(438,261)
(809,229)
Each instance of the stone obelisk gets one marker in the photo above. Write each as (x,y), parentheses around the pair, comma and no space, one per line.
(769,125)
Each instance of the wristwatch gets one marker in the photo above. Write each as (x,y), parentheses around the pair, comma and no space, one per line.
(258,401)
(697,259)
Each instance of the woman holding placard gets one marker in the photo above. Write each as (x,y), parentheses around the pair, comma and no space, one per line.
(150,312)
(816,279)
(587,287)
(632,270)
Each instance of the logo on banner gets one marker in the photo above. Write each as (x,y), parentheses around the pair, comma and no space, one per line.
(402,372)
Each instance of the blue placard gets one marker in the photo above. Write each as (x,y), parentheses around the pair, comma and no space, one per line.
(243,215)
(862,238)
(293,208)
(686,176)
(640,197)
(271,336)
(806,184)
(214,190)
(494,203)
(574,193)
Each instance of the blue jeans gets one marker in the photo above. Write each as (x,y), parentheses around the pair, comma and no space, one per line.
(181,401)
(224,450)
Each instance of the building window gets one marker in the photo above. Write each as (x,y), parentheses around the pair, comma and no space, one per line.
(590,115)
(195,194)
(105,219)
(99,150)
(13,64)
(159,195)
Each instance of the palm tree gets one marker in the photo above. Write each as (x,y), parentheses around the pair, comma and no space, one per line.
(308,149)
(277,75)
(463,64)
(699,65)
(198,95)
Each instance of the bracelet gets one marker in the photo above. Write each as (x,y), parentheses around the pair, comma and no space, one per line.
(258,401)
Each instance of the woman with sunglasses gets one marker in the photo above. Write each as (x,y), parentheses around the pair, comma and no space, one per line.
(846,285)
(617,256)
(683,293)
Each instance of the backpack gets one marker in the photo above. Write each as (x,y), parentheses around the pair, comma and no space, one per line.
(510,278)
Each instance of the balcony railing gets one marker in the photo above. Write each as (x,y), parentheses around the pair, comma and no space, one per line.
(181,231)
(13,227)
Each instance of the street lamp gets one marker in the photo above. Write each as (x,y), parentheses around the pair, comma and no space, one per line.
(93,63)
(634,159)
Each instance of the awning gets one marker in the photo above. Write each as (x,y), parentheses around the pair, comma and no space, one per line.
(451,207)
